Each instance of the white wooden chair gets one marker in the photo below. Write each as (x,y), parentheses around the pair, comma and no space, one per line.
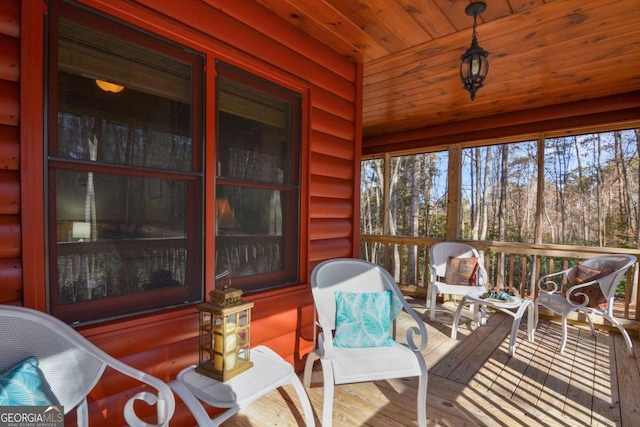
(585,282)
(439,254)
(70,366)
(342,365)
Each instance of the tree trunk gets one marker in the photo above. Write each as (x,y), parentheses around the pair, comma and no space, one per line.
(502,208)
(414,216)
(392,224)
(484,202)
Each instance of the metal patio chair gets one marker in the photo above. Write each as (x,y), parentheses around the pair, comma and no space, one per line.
(591,290)
(358,280)
(67,365)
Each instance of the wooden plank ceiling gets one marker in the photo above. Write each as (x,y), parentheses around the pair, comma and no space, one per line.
(541,53)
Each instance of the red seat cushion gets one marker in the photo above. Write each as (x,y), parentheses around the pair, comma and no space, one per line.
(582,274)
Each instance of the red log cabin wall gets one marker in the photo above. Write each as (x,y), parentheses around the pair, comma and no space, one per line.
(10,264)
(247,36)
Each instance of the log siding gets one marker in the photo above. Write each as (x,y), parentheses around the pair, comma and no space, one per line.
(246,36)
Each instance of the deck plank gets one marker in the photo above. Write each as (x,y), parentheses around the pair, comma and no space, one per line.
(606,400)
(531,384)
(628,381)
(580,391)
(473,382)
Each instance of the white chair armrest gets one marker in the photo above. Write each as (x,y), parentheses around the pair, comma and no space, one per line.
(420,330)
(550,283)
(325,343)
(576,291)
(151,399)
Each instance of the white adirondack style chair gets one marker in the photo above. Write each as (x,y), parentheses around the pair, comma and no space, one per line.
(350,365)
(70,365)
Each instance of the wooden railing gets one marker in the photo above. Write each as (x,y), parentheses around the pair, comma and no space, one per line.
(513,266)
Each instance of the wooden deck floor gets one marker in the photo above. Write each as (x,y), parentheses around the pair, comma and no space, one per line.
(473,382)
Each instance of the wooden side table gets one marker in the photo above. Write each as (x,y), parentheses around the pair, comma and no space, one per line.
(269,372)
(515,309)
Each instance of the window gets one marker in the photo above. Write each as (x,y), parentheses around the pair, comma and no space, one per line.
(258,181)
(499,188)
(417,195)
(591,189)
(124,166)
(372,196)
(590,183)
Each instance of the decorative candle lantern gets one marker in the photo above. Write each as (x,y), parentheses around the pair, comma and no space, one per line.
(225,324)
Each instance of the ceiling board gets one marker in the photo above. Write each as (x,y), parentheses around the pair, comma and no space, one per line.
(541,53)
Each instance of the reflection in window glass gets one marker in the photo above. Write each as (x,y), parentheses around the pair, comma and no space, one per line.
(499,191)
(257,191)
(125,179)
(256,226)
(121,143)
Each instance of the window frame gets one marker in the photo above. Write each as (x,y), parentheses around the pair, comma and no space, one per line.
(293,253)
(156,299)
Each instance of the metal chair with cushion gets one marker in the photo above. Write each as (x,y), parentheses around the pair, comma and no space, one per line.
(591,290)
(455,268)
(44,362)
(356,303)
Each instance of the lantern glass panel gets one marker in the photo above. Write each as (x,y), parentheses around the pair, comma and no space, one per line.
(224,340)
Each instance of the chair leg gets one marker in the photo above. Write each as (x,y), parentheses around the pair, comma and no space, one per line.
(536,317)
(422,395)
(312,357)
(564,333)
(623,331)
(327,404)
(433,295)
(593,329)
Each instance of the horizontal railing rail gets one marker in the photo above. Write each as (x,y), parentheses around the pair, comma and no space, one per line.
(512,266)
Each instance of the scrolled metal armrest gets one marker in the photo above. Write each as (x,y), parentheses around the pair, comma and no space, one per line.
(549,283)
(415,331)
(548,286)
(151,399)
(577,291)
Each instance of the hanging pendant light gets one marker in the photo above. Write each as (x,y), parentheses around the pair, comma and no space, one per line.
(475,65)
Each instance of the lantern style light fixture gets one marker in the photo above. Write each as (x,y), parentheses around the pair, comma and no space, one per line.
(475,65)
(225,324)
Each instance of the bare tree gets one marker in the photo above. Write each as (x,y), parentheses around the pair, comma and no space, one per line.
(416,162)
(485,195)
(392,210)
(474,196)
(502,208)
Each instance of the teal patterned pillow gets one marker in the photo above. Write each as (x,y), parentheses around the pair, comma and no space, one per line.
(21,385)
(362,319)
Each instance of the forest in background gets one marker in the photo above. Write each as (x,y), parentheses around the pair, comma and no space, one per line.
(590,192)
